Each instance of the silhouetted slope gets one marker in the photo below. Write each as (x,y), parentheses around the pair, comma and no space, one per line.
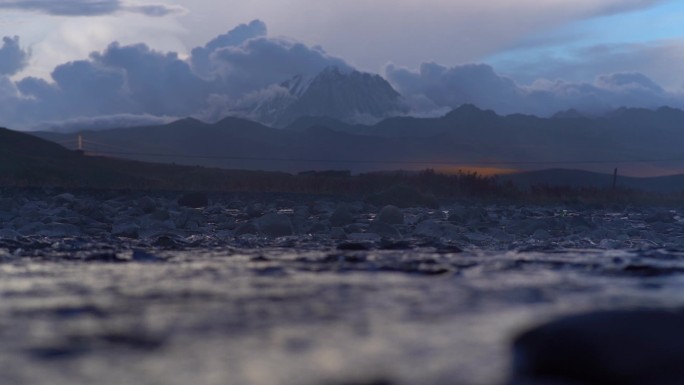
(26,160)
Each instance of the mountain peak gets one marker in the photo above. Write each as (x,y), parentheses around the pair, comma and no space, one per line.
(347,95)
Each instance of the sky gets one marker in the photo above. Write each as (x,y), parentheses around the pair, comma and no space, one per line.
(143,60)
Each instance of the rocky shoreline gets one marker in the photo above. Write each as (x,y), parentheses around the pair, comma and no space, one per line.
(64,221)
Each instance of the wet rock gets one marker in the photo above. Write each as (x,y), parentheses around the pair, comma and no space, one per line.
(247,228)
(404,197)
(194,200)
(428,229)
(255,210)
(58,230)
(147,204)
(65,198)
(9,234)
(342,216)
(390,215)
(541,234)
(143,256)
(275,225)
(467,215)
(337,233)
(384,230)
(189,219)
(608,348)
(126,230)
(663,216)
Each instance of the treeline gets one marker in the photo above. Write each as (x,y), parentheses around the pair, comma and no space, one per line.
(425,187)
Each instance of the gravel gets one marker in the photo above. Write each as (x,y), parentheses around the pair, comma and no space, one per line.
(135,288)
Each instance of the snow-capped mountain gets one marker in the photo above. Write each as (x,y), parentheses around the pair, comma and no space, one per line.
(349,96)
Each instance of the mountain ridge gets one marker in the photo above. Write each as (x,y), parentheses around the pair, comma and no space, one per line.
(465,136)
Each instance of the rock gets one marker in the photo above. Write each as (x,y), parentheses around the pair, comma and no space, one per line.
(467,215)
(384,230)
(145,257)
(189,219)
(390,215)
(342,216)
(9,234)
(663,216)
(126,230)
(338,233)
(65,198)
(195,200)
(404,197)
(612,348)
(428,229)
(255,210)
(147,204)
(275,225)
(541,234)
(361,237)
(318,228)
(58,230)
(247,228)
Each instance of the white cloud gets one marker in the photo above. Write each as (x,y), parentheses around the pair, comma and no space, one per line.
(481,85)
(90,7)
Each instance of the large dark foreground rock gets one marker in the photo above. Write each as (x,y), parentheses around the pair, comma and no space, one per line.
(643,347)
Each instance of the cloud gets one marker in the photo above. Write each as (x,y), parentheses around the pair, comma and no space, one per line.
(88,7)
(451,87)
(200,58)
(409,32)
(138,80)
(655,59)
(479,84)
(121,79)
(12,57)
(104,122)
(260,62)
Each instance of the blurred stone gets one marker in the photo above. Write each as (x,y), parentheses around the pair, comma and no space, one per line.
(342,216)
(614,348)
(126,230)
(194,200)
(390,215)
(275,225)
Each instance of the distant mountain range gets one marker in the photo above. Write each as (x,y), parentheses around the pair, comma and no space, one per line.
(349,96)
(637,141)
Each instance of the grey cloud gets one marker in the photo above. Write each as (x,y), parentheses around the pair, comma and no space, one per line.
(158,83)
(482,86)
(200,58)
(260,62)
(104,122)
(87,7)
(451,87)
(655,59)
(137,80)
(12,57)
(120,80)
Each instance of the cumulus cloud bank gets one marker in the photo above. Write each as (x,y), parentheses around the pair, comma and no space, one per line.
(12,57)
(479,84)
(136,83)
(89,7)
(125,80)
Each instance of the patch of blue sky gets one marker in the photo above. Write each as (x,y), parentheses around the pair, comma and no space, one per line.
(566,43)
